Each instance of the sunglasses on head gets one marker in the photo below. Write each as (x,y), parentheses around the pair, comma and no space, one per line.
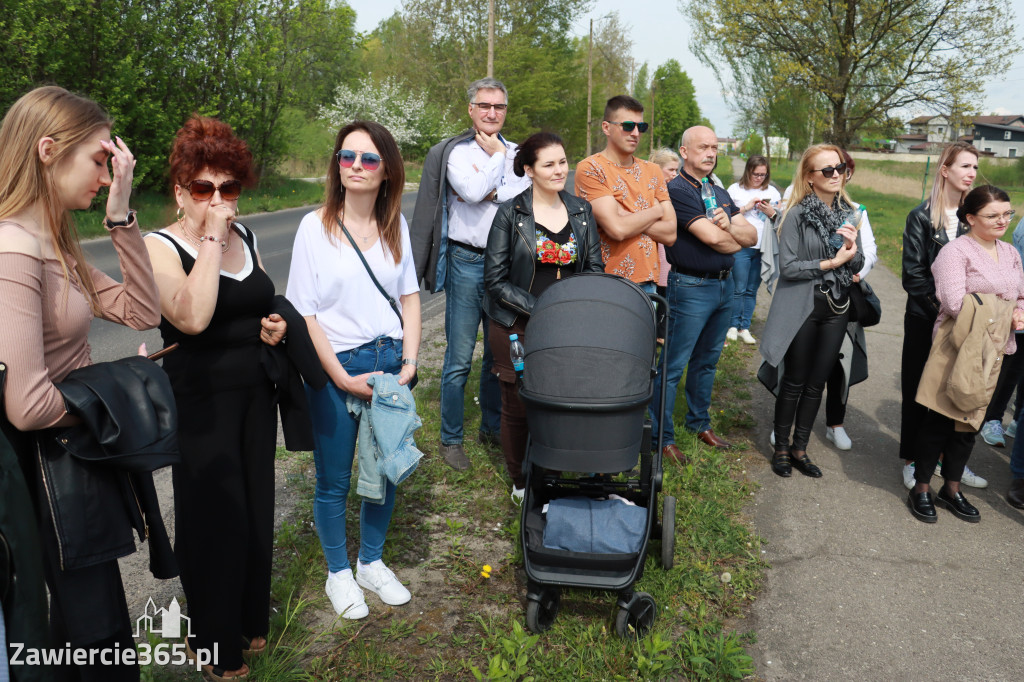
(627,126)
(202,190)
(368,160)
(829,171)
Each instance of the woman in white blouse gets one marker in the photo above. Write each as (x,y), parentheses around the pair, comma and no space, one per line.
(356,333)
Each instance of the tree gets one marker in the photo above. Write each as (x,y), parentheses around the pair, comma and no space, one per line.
(865,58)
(675,105)
(402,112)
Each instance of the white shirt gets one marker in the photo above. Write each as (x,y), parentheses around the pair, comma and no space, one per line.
(328,280)
(952,223)
(741,195)
(472,175)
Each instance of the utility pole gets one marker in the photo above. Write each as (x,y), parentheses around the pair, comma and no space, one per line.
(650,138)
(590,81)
(490,38)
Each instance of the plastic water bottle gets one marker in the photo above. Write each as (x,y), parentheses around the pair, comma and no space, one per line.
(707,193)
(516,351)
(856,215)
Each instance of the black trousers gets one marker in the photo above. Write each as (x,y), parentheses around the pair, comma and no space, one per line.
(917,343)
(224,515)
(835,403)
(938,436)
(1011,377)
(809,361)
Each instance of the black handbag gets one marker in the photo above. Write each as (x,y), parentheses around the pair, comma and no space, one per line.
(391,300)
(866,308)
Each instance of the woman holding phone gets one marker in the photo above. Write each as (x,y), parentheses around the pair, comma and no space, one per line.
(819,254)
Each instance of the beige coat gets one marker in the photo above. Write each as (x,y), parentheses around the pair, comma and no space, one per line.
(963,366)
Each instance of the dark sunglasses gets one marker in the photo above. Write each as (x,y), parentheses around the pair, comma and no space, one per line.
(202,190)
(627,126)
(368,160)
(829,171)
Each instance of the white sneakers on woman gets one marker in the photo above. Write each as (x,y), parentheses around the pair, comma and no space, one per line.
(839,436)
(378,578)
(346,597)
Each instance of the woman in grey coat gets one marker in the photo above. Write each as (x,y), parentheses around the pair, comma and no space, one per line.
(819,253)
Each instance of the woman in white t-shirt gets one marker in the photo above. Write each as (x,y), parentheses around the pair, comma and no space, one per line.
(356,334)
(758,201)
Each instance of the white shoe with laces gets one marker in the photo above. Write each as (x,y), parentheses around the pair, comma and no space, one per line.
(346,597)
(732,334)
(908,476)
(972,479)
(379,579)
(746,336)
(839,436)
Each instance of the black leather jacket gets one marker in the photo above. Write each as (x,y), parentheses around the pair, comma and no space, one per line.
(511,258)
(921,244)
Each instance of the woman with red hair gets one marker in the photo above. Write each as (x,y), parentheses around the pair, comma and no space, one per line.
(216,300)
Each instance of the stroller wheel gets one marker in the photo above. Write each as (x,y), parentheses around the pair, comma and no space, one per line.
(668,532)
(540,614)
(636,619)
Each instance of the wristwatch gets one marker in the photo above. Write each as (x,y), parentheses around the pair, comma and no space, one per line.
(111,224)
(409,361)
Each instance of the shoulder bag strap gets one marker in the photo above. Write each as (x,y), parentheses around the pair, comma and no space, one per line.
(391,301)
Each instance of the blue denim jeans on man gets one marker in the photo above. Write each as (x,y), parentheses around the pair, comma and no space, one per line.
(699,314)
(334,435)
(463,316)
(746,277)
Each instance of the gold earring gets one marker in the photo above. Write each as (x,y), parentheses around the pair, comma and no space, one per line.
(180,214)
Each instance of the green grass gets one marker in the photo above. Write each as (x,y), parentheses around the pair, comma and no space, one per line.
(449,524)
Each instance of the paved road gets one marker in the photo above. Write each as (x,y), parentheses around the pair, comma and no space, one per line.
(859,589)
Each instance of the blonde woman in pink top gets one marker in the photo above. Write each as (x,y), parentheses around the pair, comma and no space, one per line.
(974,263)
(54,154)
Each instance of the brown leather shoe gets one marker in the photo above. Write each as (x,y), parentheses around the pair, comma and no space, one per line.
(1016,495)
(714,441)
(673,454)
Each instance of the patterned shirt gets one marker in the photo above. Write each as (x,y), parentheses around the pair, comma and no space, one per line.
(635,188)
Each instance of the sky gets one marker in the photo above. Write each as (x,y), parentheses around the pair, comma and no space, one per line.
(667,36)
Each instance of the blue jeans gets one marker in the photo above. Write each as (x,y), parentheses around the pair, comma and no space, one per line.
(699,313)
(463,315)
(334,436)
(746,277)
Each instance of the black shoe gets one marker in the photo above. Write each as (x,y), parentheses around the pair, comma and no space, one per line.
(488,439)
(804,465)
(958,504)
(1015,496)
(922,507)
(782,464)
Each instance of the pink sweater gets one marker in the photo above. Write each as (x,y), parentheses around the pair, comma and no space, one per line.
(964,267)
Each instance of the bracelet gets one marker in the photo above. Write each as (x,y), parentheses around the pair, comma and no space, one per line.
(409,361)
(210,238)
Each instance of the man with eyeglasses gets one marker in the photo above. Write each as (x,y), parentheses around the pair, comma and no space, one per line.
(700,289)
(628,195)
(464,179)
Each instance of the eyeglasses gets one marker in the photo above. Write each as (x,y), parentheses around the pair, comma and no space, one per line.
(829,171)
(627,126)
(758,175)
(368,160)
(202,190)
(999,217)
(487,106)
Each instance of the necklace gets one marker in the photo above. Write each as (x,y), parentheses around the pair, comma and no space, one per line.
(197,240)
(365,238)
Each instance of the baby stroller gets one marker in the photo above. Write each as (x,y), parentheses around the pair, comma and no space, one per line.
(587,380)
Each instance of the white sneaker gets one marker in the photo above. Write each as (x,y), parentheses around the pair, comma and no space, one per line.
(908,476)
(771,438)
(972,479)
(378,578)
(732,334)
(518,494)
(839,436)
(346,597)
(746,336)
(1011,429)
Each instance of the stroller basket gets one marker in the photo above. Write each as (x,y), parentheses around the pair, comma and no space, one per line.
(589,373)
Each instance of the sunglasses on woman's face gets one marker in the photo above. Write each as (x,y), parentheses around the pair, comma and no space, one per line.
(202,190)
(829,171)
(368,160)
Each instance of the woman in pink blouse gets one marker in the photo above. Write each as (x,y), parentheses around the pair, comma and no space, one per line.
(54,152)
(974,263)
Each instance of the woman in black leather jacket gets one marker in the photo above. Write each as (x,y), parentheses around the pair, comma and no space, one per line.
(536,238)
(930,226)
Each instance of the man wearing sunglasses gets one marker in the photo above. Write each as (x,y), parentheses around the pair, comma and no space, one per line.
(700,289)
(464,179)
(628,195)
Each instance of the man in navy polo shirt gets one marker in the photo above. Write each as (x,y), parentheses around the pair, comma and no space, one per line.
(700,290)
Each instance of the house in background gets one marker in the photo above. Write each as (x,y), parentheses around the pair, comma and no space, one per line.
(1000,136)
(926,135)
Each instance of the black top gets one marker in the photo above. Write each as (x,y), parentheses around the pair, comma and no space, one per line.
(689,252)
(555,251)
(227,353)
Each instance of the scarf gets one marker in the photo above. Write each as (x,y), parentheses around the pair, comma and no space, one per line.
(826,221)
